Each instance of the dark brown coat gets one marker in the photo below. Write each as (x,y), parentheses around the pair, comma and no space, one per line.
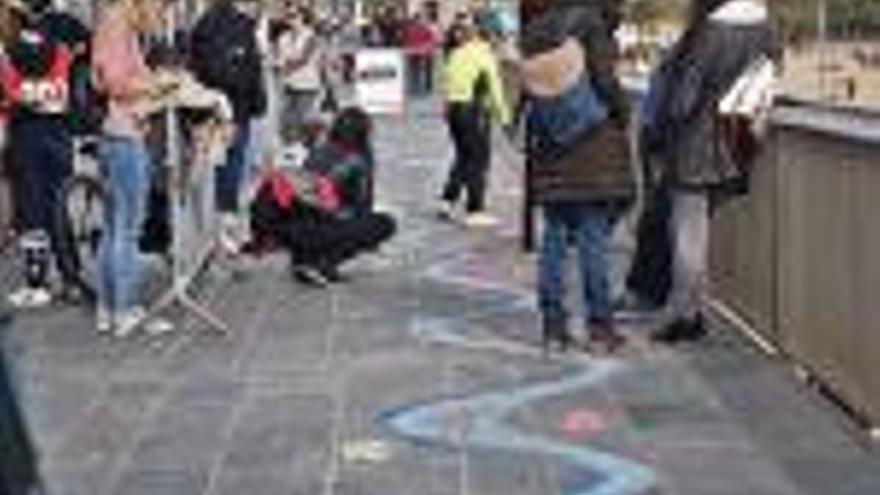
(599,167)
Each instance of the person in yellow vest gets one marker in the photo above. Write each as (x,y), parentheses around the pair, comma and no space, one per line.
(474,95)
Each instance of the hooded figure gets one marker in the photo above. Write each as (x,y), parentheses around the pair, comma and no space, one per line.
(682,139)
(584,187)
(724,37)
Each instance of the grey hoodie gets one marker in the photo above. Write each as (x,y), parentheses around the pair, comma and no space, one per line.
(698,72)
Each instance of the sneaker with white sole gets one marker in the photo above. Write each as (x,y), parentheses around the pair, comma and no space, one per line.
(480,219)
(156,327)
(309,276)
(128,321)
(30,298)
(103,321)
(446,210)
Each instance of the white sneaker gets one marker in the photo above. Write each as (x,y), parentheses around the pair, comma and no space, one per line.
(128,321)
(480,219)
(157,327)
(229,234)
(30,298)
(103,321)
(446,210)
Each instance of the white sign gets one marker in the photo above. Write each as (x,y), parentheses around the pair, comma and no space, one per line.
(380,81)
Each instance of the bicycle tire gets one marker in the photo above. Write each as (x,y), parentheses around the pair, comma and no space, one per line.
(79,232)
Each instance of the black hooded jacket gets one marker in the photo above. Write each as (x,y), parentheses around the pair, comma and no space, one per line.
(224,56)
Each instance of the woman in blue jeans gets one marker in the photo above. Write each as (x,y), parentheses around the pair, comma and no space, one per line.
(583,188)
(122,74)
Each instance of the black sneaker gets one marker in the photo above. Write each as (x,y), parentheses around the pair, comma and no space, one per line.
(332,274)
(5,314)
(681,330)
(311,276)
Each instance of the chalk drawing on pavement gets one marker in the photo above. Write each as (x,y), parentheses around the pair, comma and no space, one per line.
(486,415)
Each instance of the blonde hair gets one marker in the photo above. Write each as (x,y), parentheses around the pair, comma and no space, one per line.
(10,24)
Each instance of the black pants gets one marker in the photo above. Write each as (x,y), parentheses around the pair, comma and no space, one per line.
(331,242)
(470,129)
(40,158)
(420,69)
(650,275)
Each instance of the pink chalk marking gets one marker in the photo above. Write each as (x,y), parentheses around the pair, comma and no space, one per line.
(583,423)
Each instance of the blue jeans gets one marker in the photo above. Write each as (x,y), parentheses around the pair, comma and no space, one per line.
(231,175)
(125,166)
(589,225)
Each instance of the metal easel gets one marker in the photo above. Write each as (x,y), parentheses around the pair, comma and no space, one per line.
(187,262)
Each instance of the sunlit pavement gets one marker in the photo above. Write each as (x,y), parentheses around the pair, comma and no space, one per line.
(422,375)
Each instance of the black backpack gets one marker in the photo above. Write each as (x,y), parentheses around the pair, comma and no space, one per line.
(88,105)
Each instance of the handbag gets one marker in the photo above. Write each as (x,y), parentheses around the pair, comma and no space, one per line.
(563,107)
(743,112)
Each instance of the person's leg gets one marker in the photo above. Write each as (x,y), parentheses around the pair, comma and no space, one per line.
(109,155)
(595,225)
(412,75)
(56,159)
(26,154)
(551,274)
(290,116)
(353,236)
(302,103)
(457,122)
(230,175)
(690,235)
(129,183)
(480,152)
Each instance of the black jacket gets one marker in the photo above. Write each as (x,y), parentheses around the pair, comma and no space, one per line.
(224,56)
(699,70)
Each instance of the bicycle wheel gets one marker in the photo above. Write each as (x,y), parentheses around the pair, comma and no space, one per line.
(79,220)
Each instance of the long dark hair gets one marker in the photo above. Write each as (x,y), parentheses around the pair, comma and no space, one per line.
(611,10)
(352,130)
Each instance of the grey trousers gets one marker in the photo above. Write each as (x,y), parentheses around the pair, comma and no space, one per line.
(298,106)
(690,237)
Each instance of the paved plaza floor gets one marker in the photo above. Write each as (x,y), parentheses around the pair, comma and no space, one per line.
(419,376)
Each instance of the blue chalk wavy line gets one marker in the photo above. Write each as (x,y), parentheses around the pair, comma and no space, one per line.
(488,412)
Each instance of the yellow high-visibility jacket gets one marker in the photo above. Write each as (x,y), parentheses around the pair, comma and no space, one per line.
(463,68)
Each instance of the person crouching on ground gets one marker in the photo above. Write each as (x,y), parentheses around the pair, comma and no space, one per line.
(324,216)
(583,182)
(474,95)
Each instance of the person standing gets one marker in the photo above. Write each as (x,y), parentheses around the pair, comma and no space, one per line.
(420,44)
(474,96)
(300,59)
(584,182)
(121,73)
(723,38)
(35,75)
(224,55)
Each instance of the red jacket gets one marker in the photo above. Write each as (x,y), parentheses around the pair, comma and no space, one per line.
(48,95)
(419,39)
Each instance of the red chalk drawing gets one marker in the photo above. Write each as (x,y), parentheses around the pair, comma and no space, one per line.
(584,423)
